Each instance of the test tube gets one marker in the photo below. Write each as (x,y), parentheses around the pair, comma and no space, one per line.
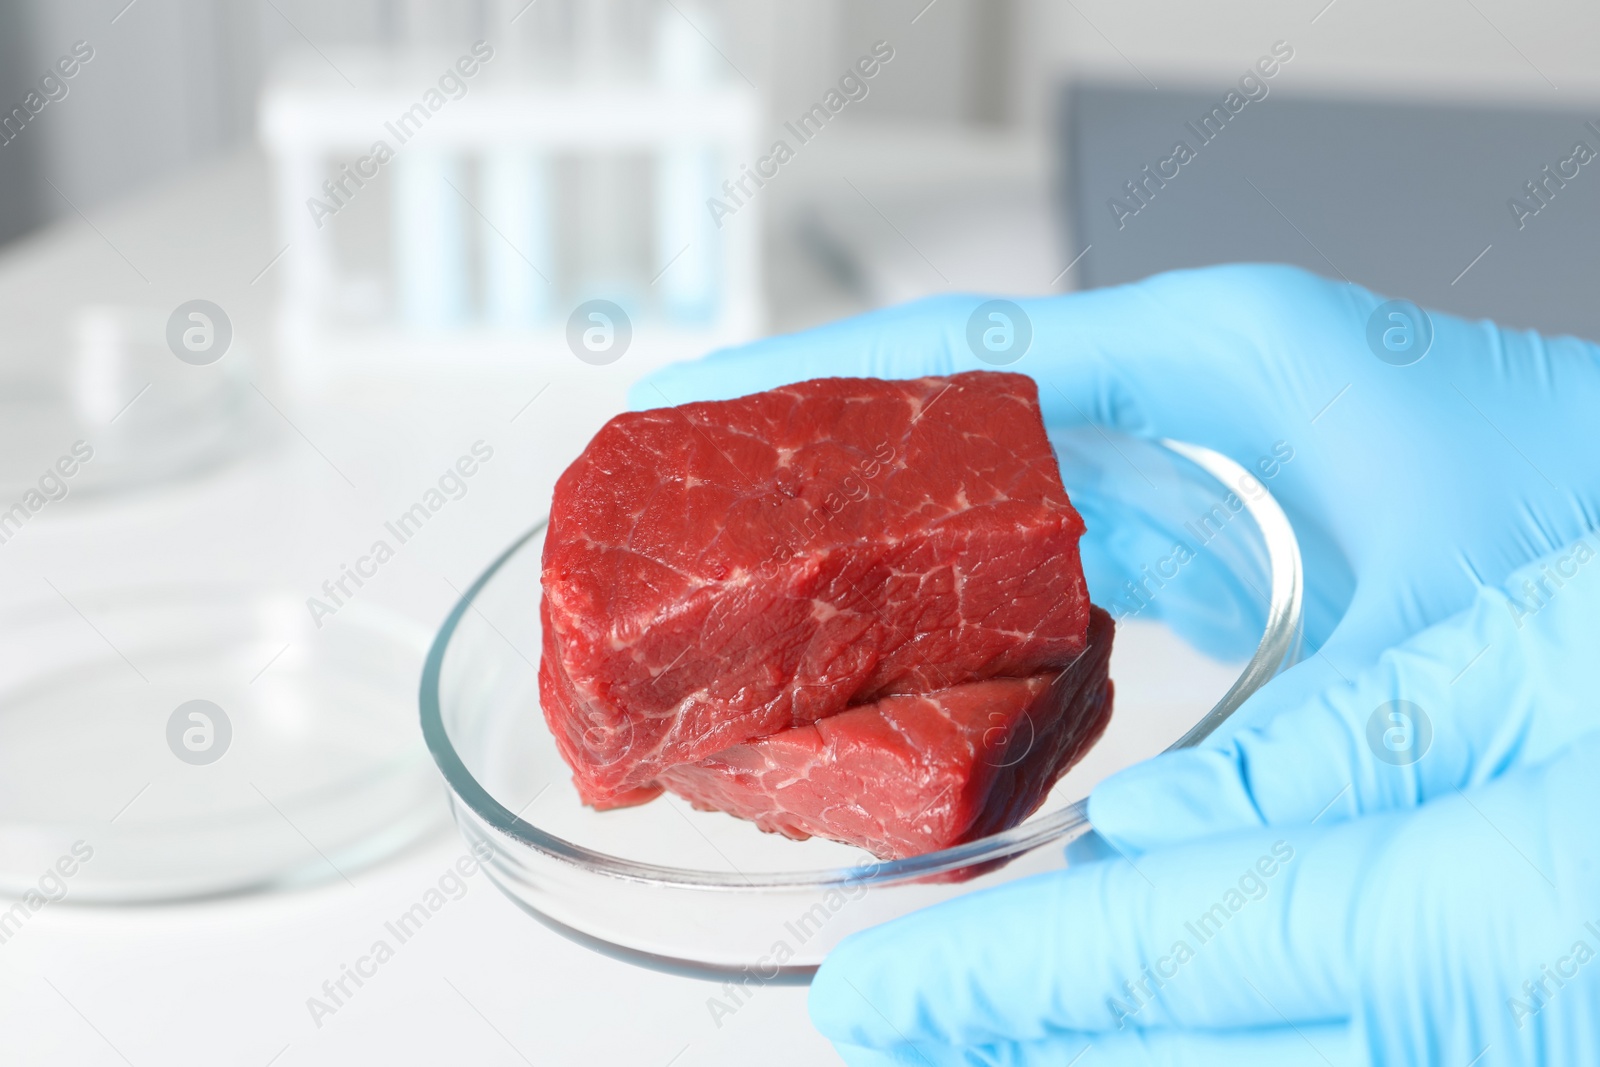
(429,239)
(516,238)
(686,239)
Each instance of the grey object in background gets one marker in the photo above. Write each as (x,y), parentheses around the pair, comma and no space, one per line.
(19,161)
(1401,198)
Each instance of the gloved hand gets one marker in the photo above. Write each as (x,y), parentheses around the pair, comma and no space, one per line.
(1412,488)
(1389,884)
(1409,486)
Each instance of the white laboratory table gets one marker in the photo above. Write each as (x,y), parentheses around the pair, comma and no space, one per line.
(227,981)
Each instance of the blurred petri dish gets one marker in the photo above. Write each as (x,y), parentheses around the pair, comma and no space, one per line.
(707,895)
(143,414)
(206,740)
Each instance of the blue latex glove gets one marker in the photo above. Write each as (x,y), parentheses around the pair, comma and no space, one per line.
(1413,488)
(1436,904)
(1409,485)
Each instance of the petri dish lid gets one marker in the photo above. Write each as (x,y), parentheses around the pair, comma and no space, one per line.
(178,742)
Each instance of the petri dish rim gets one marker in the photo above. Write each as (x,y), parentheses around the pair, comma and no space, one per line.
(1277,648)
(230,607)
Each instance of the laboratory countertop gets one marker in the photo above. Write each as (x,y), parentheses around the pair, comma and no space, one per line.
(232,980)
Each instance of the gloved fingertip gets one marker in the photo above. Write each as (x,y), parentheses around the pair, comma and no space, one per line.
(666,386)
(641,397)
(836,1003)
(857,1056)
(1171,799)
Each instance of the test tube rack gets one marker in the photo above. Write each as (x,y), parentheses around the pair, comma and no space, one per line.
(472,206)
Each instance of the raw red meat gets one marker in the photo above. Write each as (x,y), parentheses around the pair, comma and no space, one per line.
(717,572)
(910,774)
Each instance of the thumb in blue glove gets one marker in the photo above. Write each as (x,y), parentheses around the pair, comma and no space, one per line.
(1411,485)
(1416,490)
(1425,900)
(1509,682)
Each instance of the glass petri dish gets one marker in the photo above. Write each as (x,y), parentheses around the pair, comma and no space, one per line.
(707,895)
(146,417)
(204,740)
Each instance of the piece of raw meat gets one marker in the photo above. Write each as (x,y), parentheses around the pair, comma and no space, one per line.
(910,774)
(719,571)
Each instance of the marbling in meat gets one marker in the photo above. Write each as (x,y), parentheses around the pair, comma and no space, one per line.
(717,572)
